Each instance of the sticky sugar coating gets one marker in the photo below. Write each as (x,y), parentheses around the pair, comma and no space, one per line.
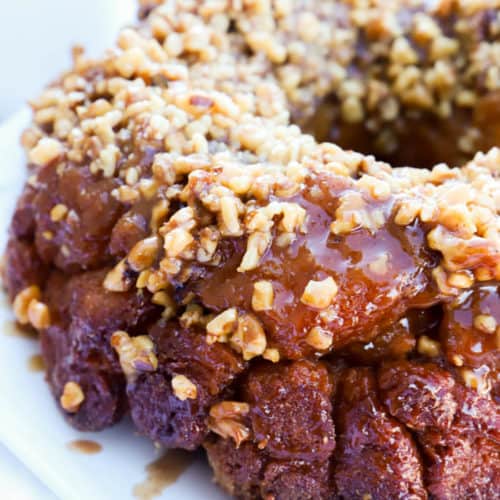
(191,255)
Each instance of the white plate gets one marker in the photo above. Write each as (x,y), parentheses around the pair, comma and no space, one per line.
(31,425)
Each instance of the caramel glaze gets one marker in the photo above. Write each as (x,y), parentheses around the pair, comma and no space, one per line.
(13,329)
(422,141)
(363,458)
(370,296)
(85,446)
(468,346)
(36,363)
(396,341)
(161,473)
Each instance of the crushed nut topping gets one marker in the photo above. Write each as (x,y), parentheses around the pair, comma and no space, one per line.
(319,338)
(219,328)
(117,279)
(30,310)
(162,298)
(226,420)
(226,148)
(136,354)
(58,212)
(475,381)
(183,388)
(38,315)
(320,294)
(22,303)
(45,151)
(486,323)
(428,347)
(272,354)
(457,360)
(263,296)
(143,254)
(249,338)
(72,397)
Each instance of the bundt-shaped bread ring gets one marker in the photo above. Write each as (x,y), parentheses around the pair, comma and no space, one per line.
(324,324)
(414,82)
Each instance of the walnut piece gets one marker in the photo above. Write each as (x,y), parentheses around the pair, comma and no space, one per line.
(29,310)
(319,338)
(263,296)
(117,280)
(222,325)
(485,323)
(428,347)
(58,212)
(39,315)
(183,388)
(143,254)
(22,302)
(272,355)
(136,354)
(45,151)
(249,338)
(320,294)
(72,397)
(226,420)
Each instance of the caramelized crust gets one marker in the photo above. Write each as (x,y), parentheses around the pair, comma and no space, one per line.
(166,416)
(470,334)
(376,455)
(76,346)
(457,429)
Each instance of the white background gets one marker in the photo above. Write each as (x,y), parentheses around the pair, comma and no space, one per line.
(35,41)
(36,37)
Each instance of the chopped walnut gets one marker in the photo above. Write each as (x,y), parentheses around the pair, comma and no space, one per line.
(320,294)
(380,265)
(354,212)
(22,303)
(222,325)
(117,279)
(230,211)
(319,338)
(475,381)
(263,296)
(45,151)
(158,215)
(177,241)
(272,355)
(183,388)
(486,323)
(428,347)
(441,278)
(226,420)
(256,247)
(143,254)
(136,354)
(58,212)
(142,279)
(72,397)
(209,239)
(249,338)
(163,298)
(38,315)
(461,279)
(193,315)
